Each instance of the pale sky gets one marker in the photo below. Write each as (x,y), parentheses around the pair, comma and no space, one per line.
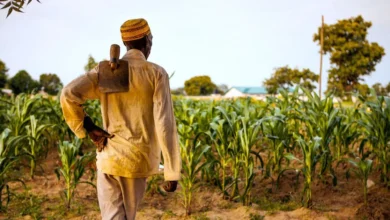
(237,43)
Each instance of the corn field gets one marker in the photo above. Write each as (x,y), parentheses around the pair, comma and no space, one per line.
(229,144)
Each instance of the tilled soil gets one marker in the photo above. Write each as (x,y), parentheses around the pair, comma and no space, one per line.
(42,200)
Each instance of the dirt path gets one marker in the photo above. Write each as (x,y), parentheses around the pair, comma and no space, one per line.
(42,200)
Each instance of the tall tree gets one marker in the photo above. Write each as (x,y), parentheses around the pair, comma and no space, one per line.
(285,78)
(51,83)
(14,5)
(23,83)
(199,85)
(91,64)
(351,54)
(3,74)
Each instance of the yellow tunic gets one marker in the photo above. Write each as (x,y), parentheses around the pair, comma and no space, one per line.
(142,120)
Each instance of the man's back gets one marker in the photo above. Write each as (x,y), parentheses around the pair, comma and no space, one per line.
(141,119)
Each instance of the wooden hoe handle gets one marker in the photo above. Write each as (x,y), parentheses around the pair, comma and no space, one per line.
(114,56)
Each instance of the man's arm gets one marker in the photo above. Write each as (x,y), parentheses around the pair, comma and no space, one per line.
(74,95)
(166,128)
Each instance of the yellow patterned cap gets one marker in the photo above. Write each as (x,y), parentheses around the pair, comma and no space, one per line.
(134,29)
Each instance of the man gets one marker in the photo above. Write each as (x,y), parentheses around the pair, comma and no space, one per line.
(140,124)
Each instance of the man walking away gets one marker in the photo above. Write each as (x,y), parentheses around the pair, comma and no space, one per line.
(138,125)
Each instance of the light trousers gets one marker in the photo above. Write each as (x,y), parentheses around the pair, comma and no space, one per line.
(119,196)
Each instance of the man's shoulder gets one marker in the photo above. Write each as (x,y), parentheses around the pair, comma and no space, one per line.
(156,67)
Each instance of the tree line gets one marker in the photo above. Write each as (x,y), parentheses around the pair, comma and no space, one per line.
(352,57)
(22,82)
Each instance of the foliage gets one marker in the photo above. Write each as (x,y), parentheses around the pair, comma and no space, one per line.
(51,83)
(363,170)
(37,136)
(72,168)
(363,89)
(192,151)
(154,185)
(375,121)
(7,162)
(199,85)
(3,74)
(14,5)
(90,64)
(23,83)
(352,56)
(285,78)
(379,89)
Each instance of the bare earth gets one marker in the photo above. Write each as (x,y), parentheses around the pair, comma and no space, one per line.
(42,200)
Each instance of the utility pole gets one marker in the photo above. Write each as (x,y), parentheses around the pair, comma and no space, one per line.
(321,53)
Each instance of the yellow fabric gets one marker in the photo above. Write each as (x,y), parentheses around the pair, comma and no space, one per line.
(134,29)
(142,120)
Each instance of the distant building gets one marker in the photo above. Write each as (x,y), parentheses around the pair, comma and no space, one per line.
(238,91)
(7,91)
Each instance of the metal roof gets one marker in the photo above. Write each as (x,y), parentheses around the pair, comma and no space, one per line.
(251,90)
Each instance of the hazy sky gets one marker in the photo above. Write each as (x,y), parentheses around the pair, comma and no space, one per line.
(237,43)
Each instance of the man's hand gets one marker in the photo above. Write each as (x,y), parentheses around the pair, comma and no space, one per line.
(170,186)
(99,138)
(98,135)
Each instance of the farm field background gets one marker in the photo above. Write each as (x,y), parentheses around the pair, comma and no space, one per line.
(283,158)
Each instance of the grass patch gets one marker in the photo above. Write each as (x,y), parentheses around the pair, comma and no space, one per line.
(200,217)
(273,206)
(25,204)
(253,216)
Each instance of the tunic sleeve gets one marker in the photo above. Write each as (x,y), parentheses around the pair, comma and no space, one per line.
(166,128)
(74,95)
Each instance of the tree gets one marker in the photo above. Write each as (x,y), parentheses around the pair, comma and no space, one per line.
(51,83)
(23,83)
(285,78)
(388,88)
(14,5)
(379,89)
(3,74)
(91,64)
(363,89)
(351,55)
(199,85)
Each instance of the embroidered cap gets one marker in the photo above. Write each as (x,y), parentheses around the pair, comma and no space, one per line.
(134,29)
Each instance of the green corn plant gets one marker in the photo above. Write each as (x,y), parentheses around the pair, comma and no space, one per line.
(72,168)
(277,136)
(154,185)
(18,115)
(7,162)
(53,115)
(192,154)
(346,133)
(234,150)
(220,136)
(249,136)
(363,170)
(38,137)
(191,150)
(376,124)
(311,157)
(320,118)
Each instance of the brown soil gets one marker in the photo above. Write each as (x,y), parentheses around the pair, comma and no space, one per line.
(344,201)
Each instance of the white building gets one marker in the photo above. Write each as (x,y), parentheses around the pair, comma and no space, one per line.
(238,91)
